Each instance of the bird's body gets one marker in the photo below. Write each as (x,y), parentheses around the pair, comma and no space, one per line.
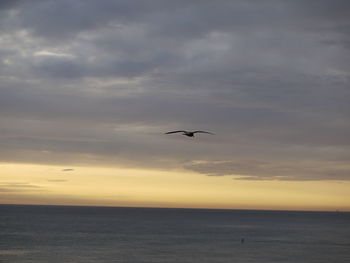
(188,133)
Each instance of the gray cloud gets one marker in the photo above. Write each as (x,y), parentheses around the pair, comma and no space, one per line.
(100,82)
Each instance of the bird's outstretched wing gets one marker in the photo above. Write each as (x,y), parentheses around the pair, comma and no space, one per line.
(174,132)
(203,132)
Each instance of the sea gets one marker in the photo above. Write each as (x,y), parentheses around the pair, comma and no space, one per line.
(69,234)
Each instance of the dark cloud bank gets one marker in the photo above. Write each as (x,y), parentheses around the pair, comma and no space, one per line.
(93,82)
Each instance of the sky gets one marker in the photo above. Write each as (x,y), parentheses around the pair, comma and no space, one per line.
(88,89)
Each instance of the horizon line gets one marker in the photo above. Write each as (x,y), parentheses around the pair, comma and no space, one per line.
(184,208)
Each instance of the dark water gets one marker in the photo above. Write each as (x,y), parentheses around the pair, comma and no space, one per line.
(98,234)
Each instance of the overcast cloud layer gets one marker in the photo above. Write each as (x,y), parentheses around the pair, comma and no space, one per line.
(99,82)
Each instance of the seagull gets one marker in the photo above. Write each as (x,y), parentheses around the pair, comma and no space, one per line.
(189,133)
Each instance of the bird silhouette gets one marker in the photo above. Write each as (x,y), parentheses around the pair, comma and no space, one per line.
(189,133)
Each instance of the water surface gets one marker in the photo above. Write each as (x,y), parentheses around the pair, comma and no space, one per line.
(100,234)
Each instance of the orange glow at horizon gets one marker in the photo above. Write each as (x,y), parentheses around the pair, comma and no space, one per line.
(110,186)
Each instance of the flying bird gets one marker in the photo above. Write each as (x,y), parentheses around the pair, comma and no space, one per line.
(189,133)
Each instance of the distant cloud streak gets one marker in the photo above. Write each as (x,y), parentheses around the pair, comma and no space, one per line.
(19,187)
(57,180)
(67,170)
(263,170)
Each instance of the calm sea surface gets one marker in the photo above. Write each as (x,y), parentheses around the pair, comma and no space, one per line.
(99,234)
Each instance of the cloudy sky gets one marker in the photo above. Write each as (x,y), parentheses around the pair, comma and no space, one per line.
(90,86)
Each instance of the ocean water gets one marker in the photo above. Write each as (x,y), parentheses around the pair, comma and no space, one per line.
(62,234)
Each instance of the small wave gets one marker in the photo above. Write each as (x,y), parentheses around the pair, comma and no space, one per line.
(15,252)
